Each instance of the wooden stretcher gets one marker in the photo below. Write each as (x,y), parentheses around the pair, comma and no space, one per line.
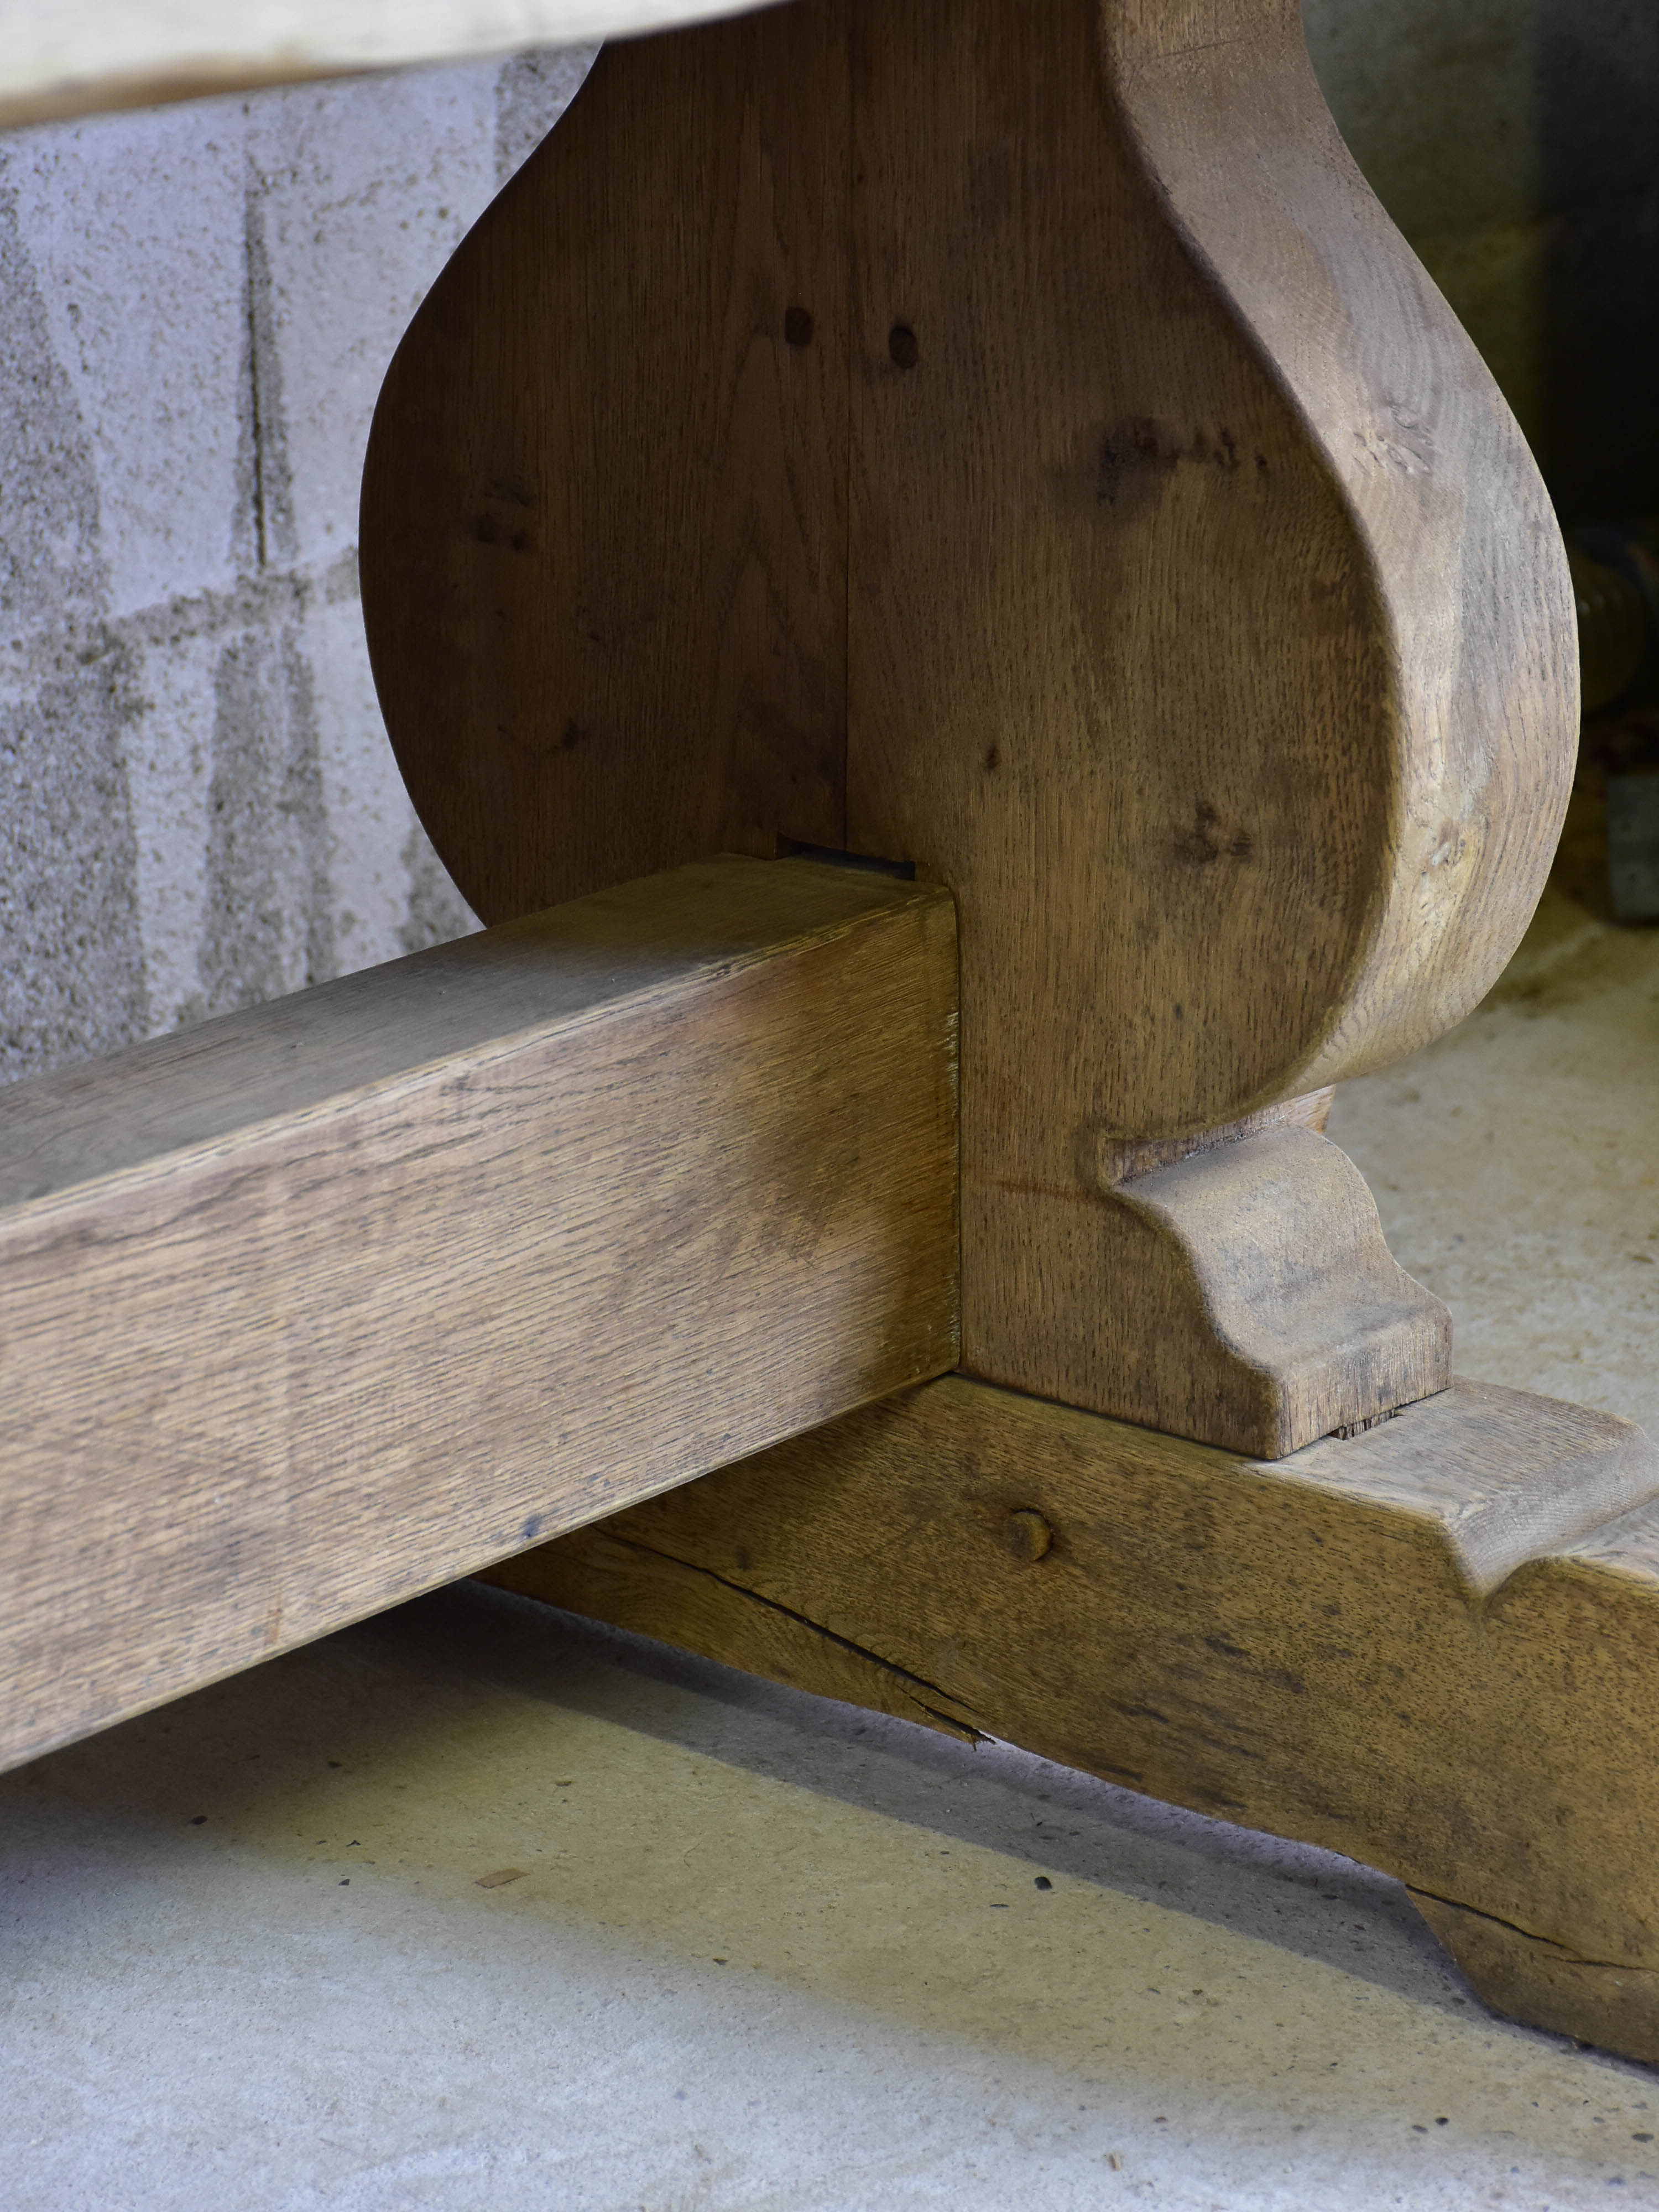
(946,584)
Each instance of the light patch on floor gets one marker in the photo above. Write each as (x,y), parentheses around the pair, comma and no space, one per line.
(1516,1165)
(759,1950)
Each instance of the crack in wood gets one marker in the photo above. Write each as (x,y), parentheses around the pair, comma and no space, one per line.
(1562,1951)
(948,1722)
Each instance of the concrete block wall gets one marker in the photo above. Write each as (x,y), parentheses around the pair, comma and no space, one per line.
(198,809)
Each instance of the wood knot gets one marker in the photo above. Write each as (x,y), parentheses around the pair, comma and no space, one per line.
(902,349)
(1027,1534)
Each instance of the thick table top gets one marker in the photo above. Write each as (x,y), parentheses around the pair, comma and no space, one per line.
(79,56)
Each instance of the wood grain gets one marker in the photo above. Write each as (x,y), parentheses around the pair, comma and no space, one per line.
(604,518)
(1434,1647)
(1133,543)
(1208,628)
(1113,1163)
(323,1303)
(1173,486)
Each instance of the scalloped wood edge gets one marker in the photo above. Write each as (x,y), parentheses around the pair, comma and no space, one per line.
(1433,1647)
(1183,560)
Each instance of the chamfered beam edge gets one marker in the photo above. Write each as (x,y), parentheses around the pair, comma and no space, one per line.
(325,1302)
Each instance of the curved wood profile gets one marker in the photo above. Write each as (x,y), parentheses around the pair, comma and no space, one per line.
(1175,585)
(1014,442)
(1473,718)
(603,533)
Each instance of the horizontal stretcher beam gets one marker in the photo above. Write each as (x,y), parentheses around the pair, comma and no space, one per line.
(323,1303)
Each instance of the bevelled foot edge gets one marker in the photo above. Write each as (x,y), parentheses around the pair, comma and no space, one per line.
(1241,1296)
(1529,1978)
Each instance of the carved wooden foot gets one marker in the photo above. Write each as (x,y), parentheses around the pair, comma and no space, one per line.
(1237,1290)
(1434,1647)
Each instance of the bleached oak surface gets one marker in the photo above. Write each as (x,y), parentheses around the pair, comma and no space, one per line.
(79,56)
(321,1304)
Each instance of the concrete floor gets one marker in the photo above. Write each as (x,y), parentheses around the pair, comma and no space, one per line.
(1516,1165)
(473,1905)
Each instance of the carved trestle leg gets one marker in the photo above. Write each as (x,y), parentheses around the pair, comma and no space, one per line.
(1012,444)
(1015,445)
